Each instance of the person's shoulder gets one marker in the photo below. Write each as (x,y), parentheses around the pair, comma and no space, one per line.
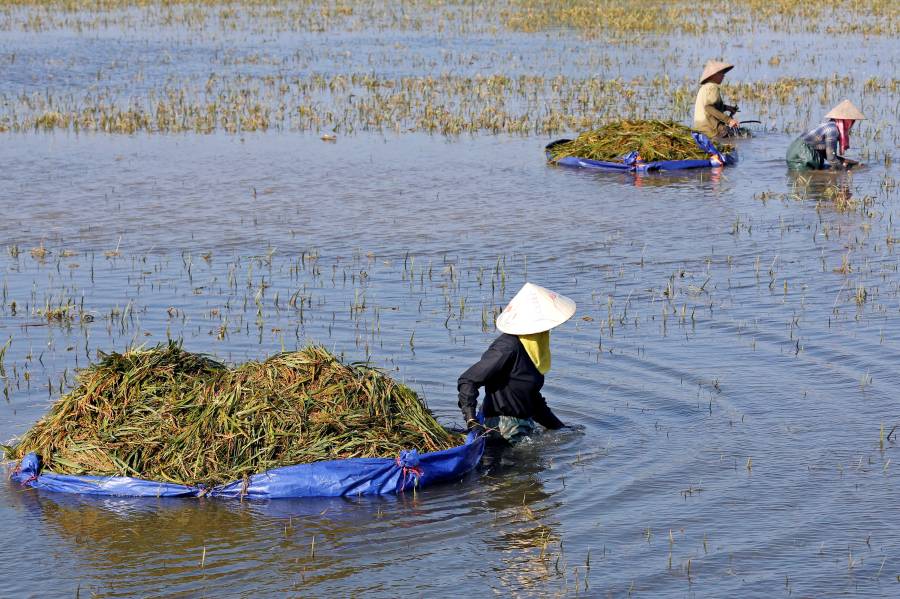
(827,128)
(505,343)
(708,90)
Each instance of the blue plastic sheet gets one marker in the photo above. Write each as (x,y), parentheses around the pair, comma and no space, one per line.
(353,476)
(630,163)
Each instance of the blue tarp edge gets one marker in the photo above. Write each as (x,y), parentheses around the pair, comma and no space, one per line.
(335,478)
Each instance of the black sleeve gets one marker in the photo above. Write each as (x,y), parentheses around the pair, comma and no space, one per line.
(543,416)
(492,362)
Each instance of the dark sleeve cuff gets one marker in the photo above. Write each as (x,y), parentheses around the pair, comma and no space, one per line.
(546,418)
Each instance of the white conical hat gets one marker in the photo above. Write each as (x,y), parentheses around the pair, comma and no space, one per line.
(845,110)
(712,67)
(534,310)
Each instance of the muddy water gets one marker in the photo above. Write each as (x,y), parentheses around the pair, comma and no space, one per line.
(729,370)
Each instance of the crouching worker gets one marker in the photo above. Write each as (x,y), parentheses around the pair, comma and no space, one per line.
(513,367)
(823,146)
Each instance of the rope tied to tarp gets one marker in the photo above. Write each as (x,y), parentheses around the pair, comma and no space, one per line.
(632,159)
(408,461)
(32,464)
(18,470)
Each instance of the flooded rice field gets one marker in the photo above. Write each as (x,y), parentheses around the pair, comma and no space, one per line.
(731,371)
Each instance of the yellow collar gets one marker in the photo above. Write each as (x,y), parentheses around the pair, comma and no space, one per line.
(538,348)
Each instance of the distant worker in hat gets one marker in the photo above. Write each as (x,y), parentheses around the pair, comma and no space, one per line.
(709,108)
(512,369)
(823,146)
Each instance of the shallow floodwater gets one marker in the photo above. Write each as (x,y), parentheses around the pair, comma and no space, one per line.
(731,372)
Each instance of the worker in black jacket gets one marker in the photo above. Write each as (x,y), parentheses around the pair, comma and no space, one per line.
(513,367)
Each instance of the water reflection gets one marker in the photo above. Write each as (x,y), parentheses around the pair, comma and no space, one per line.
(824,185)
(656,179)
(150,546)
(680,178)
(192,542)
(523,531)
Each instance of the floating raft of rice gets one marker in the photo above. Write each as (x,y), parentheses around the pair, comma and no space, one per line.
(170,415)
(653,141)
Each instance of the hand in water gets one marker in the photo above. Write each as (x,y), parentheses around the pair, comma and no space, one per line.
(573,427)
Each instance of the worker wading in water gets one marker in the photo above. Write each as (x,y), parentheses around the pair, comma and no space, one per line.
(513,367)
(823,146)
(709,109)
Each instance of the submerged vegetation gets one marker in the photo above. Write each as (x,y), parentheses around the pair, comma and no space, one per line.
(609,17)
(213,83)
(445,104)
(591,18)
(167,414)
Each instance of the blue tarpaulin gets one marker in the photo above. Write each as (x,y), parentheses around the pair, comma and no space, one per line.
(631,163)
(353,476)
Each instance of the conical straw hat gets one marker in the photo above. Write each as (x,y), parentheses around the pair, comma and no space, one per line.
(534,310)
(845,110)
(712,67)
